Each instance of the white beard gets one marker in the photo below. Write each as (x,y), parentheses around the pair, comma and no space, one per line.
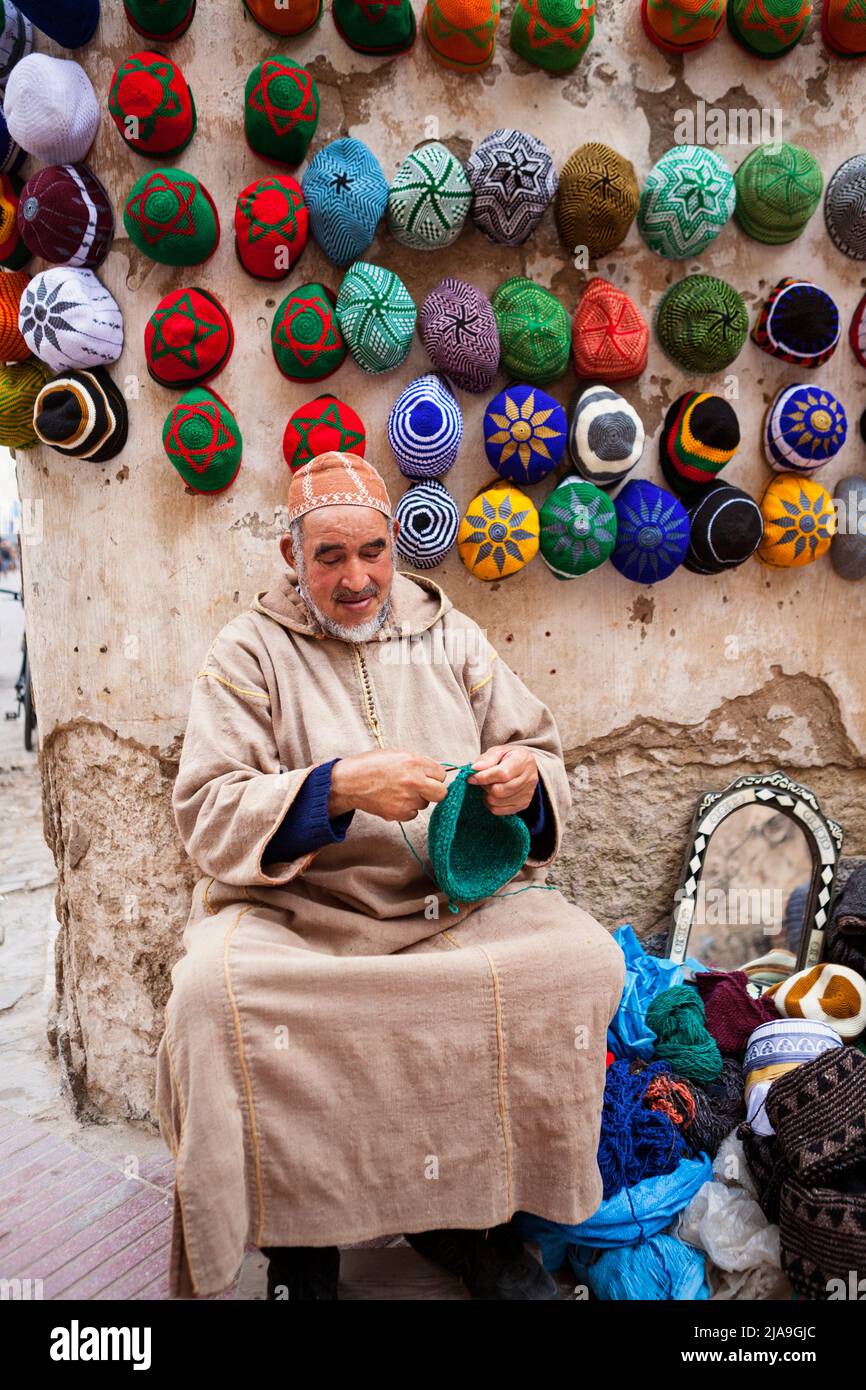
(346,632)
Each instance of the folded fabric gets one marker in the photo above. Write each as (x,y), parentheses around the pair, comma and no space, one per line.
(768,969)
(661,1268)
(731,1012)
(835,994)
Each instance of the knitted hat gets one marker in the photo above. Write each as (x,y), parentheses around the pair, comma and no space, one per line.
(473,852)
(288,20)
(462,33)
(832,994)
(725,528)
(513,179)
(377,316)
(346,193)
(172,218)
(11,155)
(429,519)
(578,528)
(306,338)
(429,198)
(609,334)
(425,427)
(534,331)
(857,332)
(799,522)
(82,415)
(524,433)
(819,1116)
(845,207)
(203,441)
(700,434)
(281,110)
(702,323)
(768,28)
(16,38)
(499,533)
(686,201)
(596,200)
(13,348)
(375,26)
(799,323)
(20,384)
(337,480)
(605,436)
(163,20)
(69,319)
(848,548)
(271,221)
(843,28)
(13,251)
(458,328)
(188,338)
(804,427)
(51,109)
(151,105)
(682,26)
(778,188)
(776,1050)
(321,426)
(652,532)
(65,215)
(552,34)
(70,23)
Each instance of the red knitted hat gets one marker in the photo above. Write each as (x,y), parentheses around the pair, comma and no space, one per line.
(322,426)
(610,338)
(66,217)
(151,104)
(188,338)
(270,226)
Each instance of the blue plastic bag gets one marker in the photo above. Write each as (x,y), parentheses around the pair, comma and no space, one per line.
(645,977)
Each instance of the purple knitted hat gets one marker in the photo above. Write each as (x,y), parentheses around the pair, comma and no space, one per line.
(459,330)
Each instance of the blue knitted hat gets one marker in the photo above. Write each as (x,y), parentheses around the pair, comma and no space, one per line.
(71,23)
(425,427)
(346,194)
(652,532)
(805,427)
(799,323)
(524,433)
(429,519)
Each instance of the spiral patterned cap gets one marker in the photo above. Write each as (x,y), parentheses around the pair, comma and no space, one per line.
(845,207)
(429,519)
(778,188)
(605,436)
(702,323)
(425,427)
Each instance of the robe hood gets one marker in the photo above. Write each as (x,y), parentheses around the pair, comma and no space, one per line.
(417,603)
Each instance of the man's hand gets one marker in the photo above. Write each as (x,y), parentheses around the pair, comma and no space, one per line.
(386,782)
(509,775)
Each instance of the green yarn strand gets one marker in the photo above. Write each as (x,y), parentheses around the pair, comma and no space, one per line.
(678,1019)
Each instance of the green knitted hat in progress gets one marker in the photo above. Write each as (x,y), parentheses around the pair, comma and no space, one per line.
(281,110)
(768,28)
(702,323)
(20,384)
(596,200)
(172,218)
(429,198)
(686,201)
(376,314)
(552,34)
(534,331)
(473,852)
(778,189)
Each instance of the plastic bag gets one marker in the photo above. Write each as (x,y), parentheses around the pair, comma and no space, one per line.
(662,1267)
(645,977)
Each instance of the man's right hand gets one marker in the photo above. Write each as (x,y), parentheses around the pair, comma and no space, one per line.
(386,782)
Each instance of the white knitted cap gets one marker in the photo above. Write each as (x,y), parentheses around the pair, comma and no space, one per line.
(51,108)
(68,319)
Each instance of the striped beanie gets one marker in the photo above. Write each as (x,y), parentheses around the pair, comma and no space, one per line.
(845,207)
(804,428)
(376,314)
(164,20)
(605,436)
(271,220)
(778,188)
(322,426)
(188,338)
(16,39)
(429,198)
(700,435)
(552,34)
(387,26)
(429,521)
(13,251)
(346,194)
(65,216)
(770,28)
(609,334)
(687,199)
(172,218)
(652,532)
(577,528)
(202,440)
(306,339)
(151,105)
(20,384)
(725,528)
(799,522)
(69,319)
(831,994)
(462,33)
(596,200)
(798,323)
(774,1049)
(513,180)
(51,109)
(82,415)
(843,28)
(499,532)
(680,26)
(702,323)
(524,433)
(281,110)
(337,480)
(288,21)
(534,331)
(13,348)
(425,427)
(458,329)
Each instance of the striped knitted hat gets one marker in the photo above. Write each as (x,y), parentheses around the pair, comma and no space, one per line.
(306,338)
(778,188)
(577,528)
(172,218)
(499,532)
(848,547)
(13,348)
(725,528)
(458,328)
(425,427)
(804,428)
(652,535)
(524,433)
(203,441)
(534,331)
(686,201)
(798,323)
(429,520)
(188,338)
(832,994)
(552,34)
(768,28)
(375,26)
(513,180)
(843,27)
(462,33)
(321,426)
(798,1040)
(14,253)
(271,220)
(605,436)
(702,323)
(286,20)
(799,522)
(845,207)
(346,193)
(16,39)
(609,334)
(51,109)
(680,26)
(281,110)
(69,319)
(337,480)
(65,215)
(164,20)
(82,415)
(151,105)
(857,332)
(429,198)
(20,384)
(377,317)
(596,200)
(700,435)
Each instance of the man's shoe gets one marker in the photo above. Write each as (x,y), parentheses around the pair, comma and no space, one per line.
(302,1271)
(496,1268)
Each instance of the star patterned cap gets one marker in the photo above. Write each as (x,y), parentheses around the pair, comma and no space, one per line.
(172,218)
(321,426)
(188,338)
(578,528)
(499,532)
(203,441)
(271,221)
(281,110)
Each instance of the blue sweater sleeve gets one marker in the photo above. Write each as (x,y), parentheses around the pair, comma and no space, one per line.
(539,819)
(306,825)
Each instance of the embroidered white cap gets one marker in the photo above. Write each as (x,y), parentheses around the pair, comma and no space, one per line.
(68,319)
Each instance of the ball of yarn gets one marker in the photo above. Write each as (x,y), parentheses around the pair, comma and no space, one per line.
(719,1108)
(635,1142)
(678,1019)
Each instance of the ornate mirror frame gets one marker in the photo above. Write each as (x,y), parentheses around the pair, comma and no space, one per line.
(824,837)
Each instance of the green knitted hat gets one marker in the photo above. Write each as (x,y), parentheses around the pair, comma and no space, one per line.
(778,189)
(534,331)
(375,26)
(686,201)
(281,110)
(20,384)
(768,28)
(577,528)
(429,198)
(596,200)
(376,314)
(163,20)
(172,218)
(203,440)
(473,853)
(702,323)
(552,34)
(305,336)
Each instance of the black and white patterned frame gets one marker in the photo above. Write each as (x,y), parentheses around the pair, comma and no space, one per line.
(823,835)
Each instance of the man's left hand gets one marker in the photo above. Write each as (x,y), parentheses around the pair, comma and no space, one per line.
(509,775)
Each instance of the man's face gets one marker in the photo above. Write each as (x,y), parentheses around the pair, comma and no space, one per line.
(346,568)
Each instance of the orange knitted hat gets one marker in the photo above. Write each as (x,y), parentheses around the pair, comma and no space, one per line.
(337,480)
(462,33)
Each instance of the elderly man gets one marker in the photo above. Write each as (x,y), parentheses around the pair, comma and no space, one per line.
(347,1054)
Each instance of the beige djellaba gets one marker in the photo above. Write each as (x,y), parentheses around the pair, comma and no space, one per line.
(344,1057)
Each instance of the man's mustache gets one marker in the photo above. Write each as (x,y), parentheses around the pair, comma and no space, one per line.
(372,591)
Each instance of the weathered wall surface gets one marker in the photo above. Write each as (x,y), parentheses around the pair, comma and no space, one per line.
(660,692)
